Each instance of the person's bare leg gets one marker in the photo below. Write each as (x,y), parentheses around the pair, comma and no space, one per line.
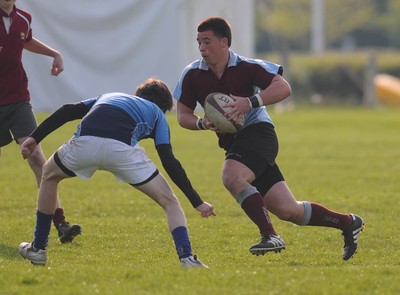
(160,191)
(36,161)
(46,205)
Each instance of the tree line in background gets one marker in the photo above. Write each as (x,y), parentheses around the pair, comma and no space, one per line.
(349,25)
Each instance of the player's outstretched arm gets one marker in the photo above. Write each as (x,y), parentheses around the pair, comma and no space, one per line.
(178,175)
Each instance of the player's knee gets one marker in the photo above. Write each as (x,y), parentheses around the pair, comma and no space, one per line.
(51,172)
(36,160)
(230,181)
(291,213)
(168,200)
(46,172)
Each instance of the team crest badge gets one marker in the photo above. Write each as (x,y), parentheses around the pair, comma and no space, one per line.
(22,35)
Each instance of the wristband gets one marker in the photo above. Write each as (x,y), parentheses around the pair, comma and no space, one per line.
(256,101)
(250,104)
(199,124)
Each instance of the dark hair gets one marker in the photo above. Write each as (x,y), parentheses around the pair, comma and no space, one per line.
(220,27)
(156,91)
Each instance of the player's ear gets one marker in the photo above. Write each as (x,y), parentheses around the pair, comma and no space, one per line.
(224,42)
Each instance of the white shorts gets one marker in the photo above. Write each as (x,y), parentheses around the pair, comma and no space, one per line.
(86,154)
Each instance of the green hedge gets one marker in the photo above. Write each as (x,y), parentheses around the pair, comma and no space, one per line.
(334,76)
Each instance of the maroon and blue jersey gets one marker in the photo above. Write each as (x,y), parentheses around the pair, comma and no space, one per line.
(242,77)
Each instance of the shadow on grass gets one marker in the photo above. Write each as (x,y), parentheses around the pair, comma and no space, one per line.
(8,252)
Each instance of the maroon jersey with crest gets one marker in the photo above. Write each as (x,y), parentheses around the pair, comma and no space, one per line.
(13,79)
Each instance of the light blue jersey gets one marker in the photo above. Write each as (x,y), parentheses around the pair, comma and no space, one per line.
(127,116)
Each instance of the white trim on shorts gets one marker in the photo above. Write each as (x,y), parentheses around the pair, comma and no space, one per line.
(85,154)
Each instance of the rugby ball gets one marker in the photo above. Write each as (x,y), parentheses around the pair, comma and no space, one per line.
(214,110)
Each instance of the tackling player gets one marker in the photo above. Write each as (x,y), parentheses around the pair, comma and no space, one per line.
(107,139)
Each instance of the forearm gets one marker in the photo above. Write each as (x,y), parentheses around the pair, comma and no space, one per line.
(36,46)
(177,174)
(64,114)
(187,119)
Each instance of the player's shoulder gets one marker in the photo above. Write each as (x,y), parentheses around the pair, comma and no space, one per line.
(240,59)
(249,63)
(194,66)
(24,14)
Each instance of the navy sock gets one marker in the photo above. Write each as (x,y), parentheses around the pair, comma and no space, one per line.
(42,231)
(182,243)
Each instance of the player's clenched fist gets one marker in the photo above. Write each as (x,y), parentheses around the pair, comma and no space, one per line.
(28,146)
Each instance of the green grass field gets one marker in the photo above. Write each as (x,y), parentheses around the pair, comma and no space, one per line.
(345,158)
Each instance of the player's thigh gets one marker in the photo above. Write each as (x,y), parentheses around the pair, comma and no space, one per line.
(24,121)
(236,176)
(51,171)
(159,190)
(16,121)
(128,164)
(5,135)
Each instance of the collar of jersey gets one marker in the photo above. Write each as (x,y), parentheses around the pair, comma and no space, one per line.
(233,60)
